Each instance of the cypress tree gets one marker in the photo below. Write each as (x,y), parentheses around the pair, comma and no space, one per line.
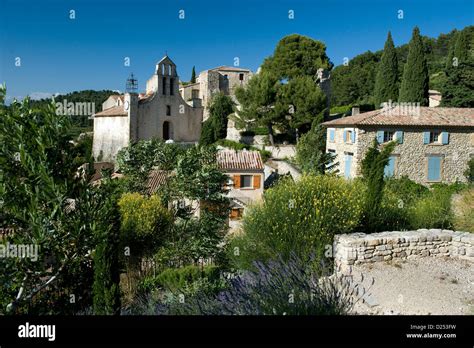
(193,75)
(415,81)
(452,43)
(386,81)
(461,48)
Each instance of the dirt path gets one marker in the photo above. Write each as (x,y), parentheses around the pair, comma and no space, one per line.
(424,286)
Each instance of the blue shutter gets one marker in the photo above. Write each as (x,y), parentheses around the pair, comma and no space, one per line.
(426,137)
(347,169)
(389,169)
(353,136)
(331,134)
(444,138)
(399,136)
(345,136)
(380,137)
(434,168)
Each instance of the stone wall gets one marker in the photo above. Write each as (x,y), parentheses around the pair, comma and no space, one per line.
(360,248)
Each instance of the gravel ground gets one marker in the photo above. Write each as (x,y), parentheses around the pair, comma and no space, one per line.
(429,285)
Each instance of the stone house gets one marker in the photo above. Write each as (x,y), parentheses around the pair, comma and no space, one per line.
(434,144)
(223,79)
(246,178)
(161,112)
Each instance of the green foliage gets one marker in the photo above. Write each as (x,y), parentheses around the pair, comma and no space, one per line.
(458,85)
(258,101)
(295,56)
(50,206)
(415,81)
(372,168)
(193,75)
(386,81)
(299,218)
(311,155)
(215,127)
(463,208)
(461,47)
(145,223)
(255,131)
(106,287)
(302,102)
(433,210)
(469,173)
(175,279)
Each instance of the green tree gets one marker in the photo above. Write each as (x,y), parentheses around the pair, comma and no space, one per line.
(386,81)
(461,47)
(258,101)
(311,155)
(106,287)
(372,168)
(415,81)
(215,127)
(457,89)
(301,102)
(193,75)
(297,55)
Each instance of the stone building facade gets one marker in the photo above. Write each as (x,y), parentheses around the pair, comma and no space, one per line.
(223,79)
(433,144)
(161,112)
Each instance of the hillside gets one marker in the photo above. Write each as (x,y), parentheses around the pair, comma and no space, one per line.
(354,83)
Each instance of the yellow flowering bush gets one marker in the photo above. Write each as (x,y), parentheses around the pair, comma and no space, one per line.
(299,217)
(145,222)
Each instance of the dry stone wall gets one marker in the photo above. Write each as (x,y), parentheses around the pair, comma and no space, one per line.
(359,248)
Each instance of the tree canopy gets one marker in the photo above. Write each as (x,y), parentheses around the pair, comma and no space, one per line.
(386,81)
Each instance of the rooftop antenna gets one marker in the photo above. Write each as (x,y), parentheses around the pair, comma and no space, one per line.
(132,84)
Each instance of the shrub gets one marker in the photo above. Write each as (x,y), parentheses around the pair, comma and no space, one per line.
(469,173)
(463,208)
(145,222)
(278,287)
(432,211)
(299,217)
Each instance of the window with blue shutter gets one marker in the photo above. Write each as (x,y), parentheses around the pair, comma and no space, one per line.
(444,138)
(389,169)
(426,137)
(399,136)
(353,136)
(348,164)
(331,135)
(434,168)
(380,137)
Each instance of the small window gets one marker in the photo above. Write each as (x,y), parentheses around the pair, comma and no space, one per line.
(388,136)
(195,93)
(349,136)
(434,137)
(168,110)
(246,181)
(171,86)
(241,77)
(164,86)
(226,77)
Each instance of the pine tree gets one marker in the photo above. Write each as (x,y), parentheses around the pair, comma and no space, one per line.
(193,75)
(386,82)
(415,81)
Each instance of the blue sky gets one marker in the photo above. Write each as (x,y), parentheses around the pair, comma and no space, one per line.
(59,54)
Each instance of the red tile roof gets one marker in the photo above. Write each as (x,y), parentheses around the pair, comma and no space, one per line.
(113,111)
(239,160)
(397,116)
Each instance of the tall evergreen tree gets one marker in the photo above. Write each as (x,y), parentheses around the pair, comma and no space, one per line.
(452,44)
(386,81)
(193,75)
(415,81)
(461,48)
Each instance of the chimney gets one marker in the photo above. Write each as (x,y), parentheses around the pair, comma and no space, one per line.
(355,110)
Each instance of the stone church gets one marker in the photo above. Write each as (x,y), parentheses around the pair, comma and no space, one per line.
(160,112)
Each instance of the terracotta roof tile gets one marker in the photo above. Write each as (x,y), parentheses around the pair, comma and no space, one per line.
(156,179)
(239,160)
(113,111)
(395,116)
